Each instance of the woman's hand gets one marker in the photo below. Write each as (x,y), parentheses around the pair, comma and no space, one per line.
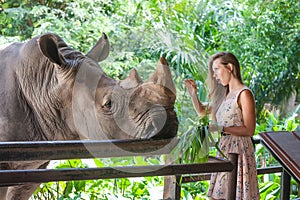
(192,90)
(214,128)
(191,87)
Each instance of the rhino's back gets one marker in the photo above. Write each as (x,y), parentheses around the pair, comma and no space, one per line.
(12,115)
(9,54)
(16,57)
(9,60)
(28,107)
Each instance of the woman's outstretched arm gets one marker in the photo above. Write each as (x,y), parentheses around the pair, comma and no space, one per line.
(200,108)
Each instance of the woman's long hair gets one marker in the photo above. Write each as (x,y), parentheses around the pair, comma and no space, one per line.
(218,92)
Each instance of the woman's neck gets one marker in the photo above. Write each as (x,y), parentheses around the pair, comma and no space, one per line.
(235,85)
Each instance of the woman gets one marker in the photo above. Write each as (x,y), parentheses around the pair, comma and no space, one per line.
(232,107)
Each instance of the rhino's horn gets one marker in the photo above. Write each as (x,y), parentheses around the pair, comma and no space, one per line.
(133,80)
(162,75)
(101,50)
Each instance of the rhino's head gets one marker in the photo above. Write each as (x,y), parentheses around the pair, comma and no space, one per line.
(99,107)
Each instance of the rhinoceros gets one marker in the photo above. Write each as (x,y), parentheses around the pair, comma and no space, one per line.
(51,92)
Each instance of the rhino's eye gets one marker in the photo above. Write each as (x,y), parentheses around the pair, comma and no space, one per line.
(107,104)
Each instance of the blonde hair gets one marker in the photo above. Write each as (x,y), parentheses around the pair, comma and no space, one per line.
(218,92)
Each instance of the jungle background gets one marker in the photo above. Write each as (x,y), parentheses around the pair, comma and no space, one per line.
(264,34)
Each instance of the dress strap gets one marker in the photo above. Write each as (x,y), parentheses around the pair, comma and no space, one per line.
(240,91)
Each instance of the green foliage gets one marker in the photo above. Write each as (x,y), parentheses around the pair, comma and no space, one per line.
(273,122)
(263,35)
(194,145)
(125,188)
(182,39)
(194,190)
(270,190)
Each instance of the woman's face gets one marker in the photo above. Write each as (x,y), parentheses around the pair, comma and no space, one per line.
(220,72)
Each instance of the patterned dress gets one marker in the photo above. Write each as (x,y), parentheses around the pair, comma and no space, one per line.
(229,114)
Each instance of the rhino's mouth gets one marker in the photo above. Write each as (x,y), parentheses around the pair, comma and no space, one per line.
(170,128)
(158,122)
(150,132)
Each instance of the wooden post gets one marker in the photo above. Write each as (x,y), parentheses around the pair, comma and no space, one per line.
(285,185)
(171,184)
(232,177)
(172,188)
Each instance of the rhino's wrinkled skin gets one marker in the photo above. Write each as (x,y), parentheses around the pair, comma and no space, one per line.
(51,92)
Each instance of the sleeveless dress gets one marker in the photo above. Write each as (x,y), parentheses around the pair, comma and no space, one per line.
(229,114)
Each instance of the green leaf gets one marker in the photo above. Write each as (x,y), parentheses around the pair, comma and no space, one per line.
(68,188)
(98,162)
(194,144)
(79,185)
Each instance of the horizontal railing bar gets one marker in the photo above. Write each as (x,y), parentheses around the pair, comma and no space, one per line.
(204,177)
(195,178)
(12,177)
(60,150)
(74,149)
(269,170)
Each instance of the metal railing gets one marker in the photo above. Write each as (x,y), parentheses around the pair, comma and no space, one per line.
(59,150)
(56,150)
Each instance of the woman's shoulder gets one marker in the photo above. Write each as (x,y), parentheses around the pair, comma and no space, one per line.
(245,93)
(245,90)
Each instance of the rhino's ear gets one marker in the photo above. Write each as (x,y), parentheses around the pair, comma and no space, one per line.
(101,50)
(132,81)
(162,75)
(48,46)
